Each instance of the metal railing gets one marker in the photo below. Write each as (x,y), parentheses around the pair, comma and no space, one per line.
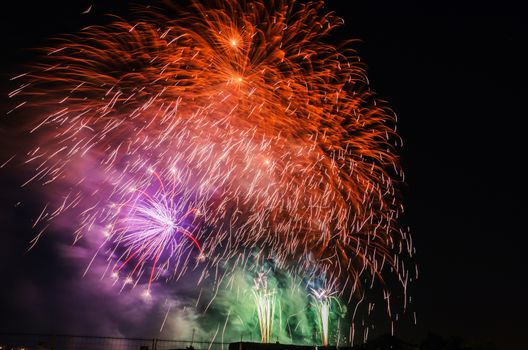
(33,341)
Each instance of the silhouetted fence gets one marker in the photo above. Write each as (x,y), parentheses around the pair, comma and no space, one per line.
(30,341)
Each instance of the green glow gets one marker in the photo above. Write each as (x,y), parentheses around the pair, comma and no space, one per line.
(275,306)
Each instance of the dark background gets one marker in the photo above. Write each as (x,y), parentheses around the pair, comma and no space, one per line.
(456,76)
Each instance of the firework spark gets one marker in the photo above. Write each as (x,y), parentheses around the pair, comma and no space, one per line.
(267,132)
(265,305)
(323,298)
(150,226)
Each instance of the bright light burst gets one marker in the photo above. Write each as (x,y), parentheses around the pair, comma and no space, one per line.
(149,226)
(265,305)
(323,299)
(268,135)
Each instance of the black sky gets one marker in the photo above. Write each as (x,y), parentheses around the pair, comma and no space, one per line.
(456,76)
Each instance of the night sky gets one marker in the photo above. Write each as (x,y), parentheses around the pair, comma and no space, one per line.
(456,77)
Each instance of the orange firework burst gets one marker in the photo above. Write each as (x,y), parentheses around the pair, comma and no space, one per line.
(272,132)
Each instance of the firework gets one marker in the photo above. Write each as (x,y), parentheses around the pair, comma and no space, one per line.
(152,225)
(323,299)
(270,137)
(265,305)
